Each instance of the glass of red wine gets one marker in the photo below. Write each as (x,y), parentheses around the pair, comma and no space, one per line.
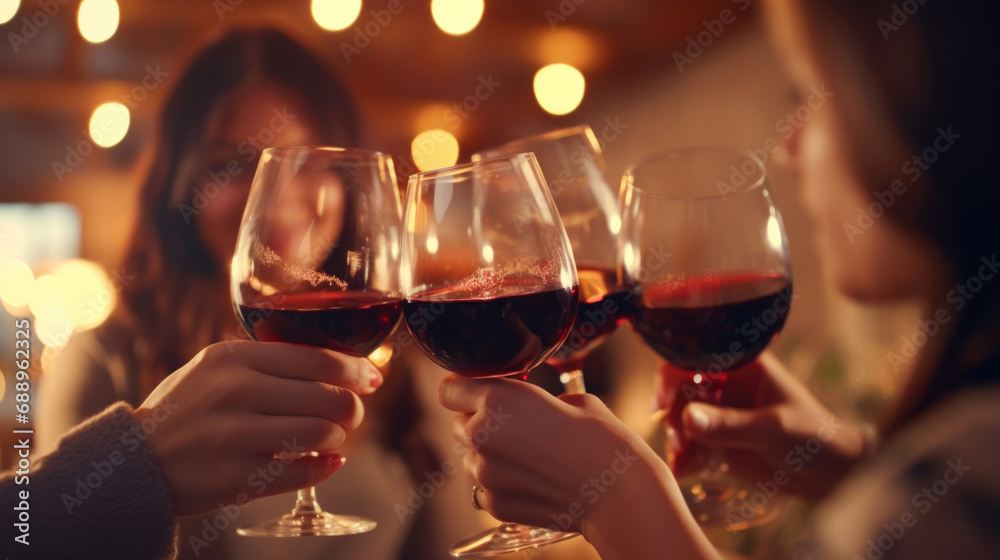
(574,169)
(705,259)
(490,286)
(317,263)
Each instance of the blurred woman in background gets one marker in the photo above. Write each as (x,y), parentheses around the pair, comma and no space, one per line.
(911,113)
(248,90)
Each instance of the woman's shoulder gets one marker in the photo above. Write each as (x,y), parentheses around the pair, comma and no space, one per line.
(931,492)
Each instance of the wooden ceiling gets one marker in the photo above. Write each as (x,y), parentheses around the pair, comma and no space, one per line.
(53,81)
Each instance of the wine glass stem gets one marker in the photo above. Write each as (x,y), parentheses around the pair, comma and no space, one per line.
(306,503)
(715,465)
(573,382)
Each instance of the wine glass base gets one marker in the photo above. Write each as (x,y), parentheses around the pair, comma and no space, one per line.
(507,538)
(317,524)
(728,502)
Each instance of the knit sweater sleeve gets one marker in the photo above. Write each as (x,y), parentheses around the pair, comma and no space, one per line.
(99,494)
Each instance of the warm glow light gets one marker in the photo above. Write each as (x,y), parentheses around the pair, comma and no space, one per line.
(44,295)
(334,15)
(98,19)
(569,46)
(87,292)
(8,9)
(109,123)
(774,233)
(488,253)
(434,149)
(559,88)
(615,224)
(16,279)
(381,356)
(54,327)
(457,17)
(436,115)
(432,244)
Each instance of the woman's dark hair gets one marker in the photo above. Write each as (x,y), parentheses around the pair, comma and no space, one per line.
(953,45)
(175,275)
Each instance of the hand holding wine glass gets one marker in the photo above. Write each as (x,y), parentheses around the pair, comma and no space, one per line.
(317,263)
(718,299)
(764,413)
(490,284)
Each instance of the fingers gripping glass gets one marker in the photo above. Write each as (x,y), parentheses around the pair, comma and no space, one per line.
(705,259)
(490,285)
(316,263)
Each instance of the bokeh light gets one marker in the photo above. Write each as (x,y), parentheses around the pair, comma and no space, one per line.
(559,88)
(16,280)
(98,19)
(335,15)
(45,295)
(109,124)
(457,17)
(87,293)
(54,327)
(8,9)
(434,149)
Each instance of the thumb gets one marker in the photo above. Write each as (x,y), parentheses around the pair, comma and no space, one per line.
(739,428)
(304,472)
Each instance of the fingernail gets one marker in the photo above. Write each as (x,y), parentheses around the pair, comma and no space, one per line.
(335,462)
(697,418)
(375,378)
(654,404)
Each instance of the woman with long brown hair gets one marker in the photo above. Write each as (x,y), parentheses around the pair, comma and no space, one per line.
(912,112)
(248,90)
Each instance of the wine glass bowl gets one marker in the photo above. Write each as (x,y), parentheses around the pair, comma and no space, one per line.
(490,285)
(316,263)
(574,169)
(705,258)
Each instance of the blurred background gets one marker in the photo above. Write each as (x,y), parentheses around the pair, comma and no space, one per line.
(81,84)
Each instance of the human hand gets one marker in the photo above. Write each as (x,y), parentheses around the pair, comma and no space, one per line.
(542,460)
(768,421)
(219,421)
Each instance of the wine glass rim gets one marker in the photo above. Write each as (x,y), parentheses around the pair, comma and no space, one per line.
(284,152)
(557,134)
(468,166)
(630,172)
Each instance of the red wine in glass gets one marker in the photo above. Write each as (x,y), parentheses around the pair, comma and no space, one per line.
(353,323)
(705,257)
(598,315)
(491,337)
(490,285)
(317,263)
(712,323)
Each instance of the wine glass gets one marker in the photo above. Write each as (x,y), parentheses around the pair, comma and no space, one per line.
(316,263)
(490,286)
(573,166)
(705,259)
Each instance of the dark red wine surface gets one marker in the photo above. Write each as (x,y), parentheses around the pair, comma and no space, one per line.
(714,322)
(354,323)
(491,337)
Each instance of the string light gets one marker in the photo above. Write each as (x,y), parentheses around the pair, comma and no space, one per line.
(109,123)
(457,17)
(559,88)
(98,19)
(335,15)
(434,149)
